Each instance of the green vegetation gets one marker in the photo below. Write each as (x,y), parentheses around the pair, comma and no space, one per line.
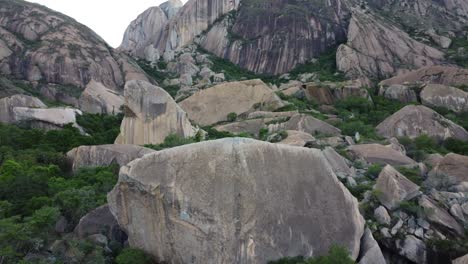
(412,208)
(213,134)
(336,255)
(159,75)
(413,174)
(373,171)
(295,103)
(231,117)
(324,66)
(171,141)
(36,186)
(361,115)
(132,256)
(458,52)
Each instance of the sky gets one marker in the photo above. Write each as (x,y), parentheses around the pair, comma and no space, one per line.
(108,18)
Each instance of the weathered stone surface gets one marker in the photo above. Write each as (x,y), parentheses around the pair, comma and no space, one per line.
(105,155)
(297,138)
(379,49)
(49,47)
(171,7)
(451,170)
(394,188)
(265,114)
(461,260)
(415,120)
(376,153)
(100,221)
(151,115)
(330,92)
(413,249)
(213,105)
(402,93)
(47,118)
(436,95)
(8,103)
(440,216)
(251,126)
(370,250)
(382,216)
(97,99)
(228,201)
(338,164)
(433,159)
(446,75)
(306,123)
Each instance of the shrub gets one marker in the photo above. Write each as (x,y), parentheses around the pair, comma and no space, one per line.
(413,174)
(336,255)
(231,117)
(373,171)
(132,256)
(173,140)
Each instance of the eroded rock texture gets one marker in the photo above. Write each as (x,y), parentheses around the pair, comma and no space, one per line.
(235,201)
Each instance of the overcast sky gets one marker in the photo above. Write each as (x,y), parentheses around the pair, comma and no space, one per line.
(108,18)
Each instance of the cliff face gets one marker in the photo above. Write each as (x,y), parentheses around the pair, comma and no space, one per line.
(51,50)
(274,36)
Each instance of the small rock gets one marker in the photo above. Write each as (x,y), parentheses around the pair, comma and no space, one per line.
(457,211)
(413,249)
(219,77)
(419,233)
(382,216)
(397,227)
(61,225)
(98,239)
(423,223)
(385,232)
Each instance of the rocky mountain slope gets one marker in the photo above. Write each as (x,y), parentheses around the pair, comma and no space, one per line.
(272,37)
(356,153)
(58,58)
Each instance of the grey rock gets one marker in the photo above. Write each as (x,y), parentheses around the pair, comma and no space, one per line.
(251,126)
(397,227)
(394,188)
(47,118)
(171,7)
(440,216)
(98,239)
(370,250)
(446,75)
(212,105)
(437,95)
(419,233)
(98,99)
(8,103)
(385,232)
(219,77)
(151,115)
(231,194)
(105,155)
(399,92)
(100,221)
(306,123)
(297,138)
(382,216)
(338,164)
(461,260)
(449,171)
(61,225)
(413,249)
(376,153)
(457,211)
(415,120)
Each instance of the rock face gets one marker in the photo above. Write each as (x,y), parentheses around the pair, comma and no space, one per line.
(105,155)
(370,250)
(213,105)
(151,115)
(445,75)
(461,260)
(415,120)
(440,216)
(47,118)
(297,138)
(451,170)
(378,49)
(100,221)
(228,201)
(274,36)
(413,249)
(142,32)
(399,92)
(51,48)
(9,103)
(98,99)
(394,188)
(436,95)
(306,123)
(376,153)
(328,92)
(338,163)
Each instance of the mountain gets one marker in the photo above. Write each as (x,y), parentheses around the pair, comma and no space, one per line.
(273,37)
(56,56)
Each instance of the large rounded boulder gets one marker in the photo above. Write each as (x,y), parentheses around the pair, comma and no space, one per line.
(235,201)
